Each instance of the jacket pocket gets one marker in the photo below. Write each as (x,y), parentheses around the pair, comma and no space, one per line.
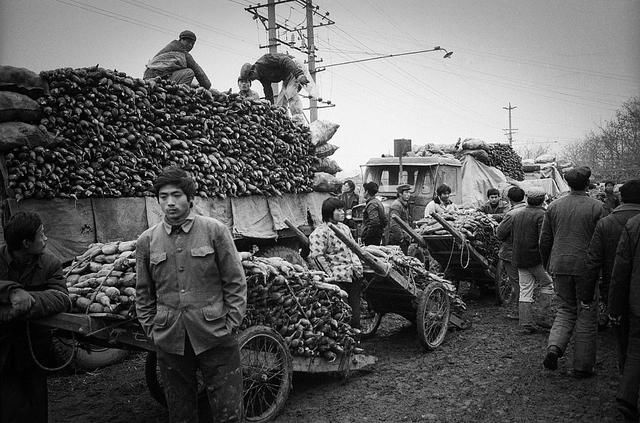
(213,312)
(161,318)
(202,251)
(157,258)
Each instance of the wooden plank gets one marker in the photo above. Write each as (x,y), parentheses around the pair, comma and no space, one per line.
(409,230)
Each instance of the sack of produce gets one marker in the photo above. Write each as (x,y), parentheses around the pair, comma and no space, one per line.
(326,150)
(324,182)
(547,165)
(23,81)
(322,131)
(327,165)
(20,134)
(480,155)
(545,158)
(528,162)
(18,107)
(528,168)
(562,163)
(473,144)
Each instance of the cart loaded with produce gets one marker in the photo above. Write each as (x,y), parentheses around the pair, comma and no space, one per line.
(294,322)
(465,246)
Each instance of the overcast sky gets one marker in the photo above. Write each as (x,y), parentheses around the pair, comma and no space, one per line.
(566,65)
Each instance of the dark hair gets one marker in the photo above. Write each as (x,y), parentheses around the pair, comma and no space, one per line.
(515,194)
(329,206)
(535,201)
(175,176)
(441,190)
(493,191)
(630,191)
(371,188)
(609,183)
(21,226)
(591,186)
(349,182)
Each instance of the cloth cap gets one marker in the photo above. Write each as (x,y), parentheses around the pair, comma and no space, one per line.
(578,177)
(245,70)
(536,192)
(402,188)
(188,35)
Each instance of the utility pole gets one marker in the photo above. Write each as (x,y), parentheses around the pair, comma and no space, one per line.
(510,131)
(272,35)
(311,58)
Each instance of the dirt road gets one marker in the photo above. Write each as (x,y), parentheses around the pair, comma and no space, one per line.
(487,373)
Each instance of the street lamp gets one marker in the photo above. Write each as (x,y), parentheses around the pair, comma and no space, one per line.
(447,55)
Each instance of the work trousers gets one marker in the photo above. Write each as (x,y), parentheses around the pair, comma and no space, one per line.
(222,376)
(354,289)
(622,341)
(23,396)
(527,281)
(373,236)
(571,319)
(627,396)
(183,76)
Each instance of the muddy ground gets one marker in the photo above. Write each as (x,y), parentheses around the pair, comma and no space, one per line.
(487,373)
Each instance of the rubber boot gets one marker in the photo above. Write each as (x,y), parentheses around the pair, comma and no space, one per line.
(526,325)
(544,316)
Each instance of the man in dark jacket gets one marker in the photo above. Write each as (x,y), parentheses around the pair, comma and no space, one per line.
(400,208)
(611,200)
(191,296)
(273,68)
(624,299)
(526,258)
(566,233)
(504,234)
(495,205)
(602,253)
(31,286)
(175,63)
(374,218)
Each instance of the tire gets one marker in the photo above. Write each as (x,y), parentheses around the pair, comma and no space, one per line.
(504,289)
(267,371)
(286,253)
(87,357)
(433,316)
(369,320)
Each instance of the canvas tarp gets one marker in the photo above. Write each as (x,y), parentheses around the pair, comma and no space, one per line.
(251,217)
(477,178)
(119,219)
(287,207)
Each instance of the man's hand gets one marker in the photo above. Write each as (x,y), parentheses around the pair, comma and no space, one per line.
(7,313)
(21,300)
(302,80)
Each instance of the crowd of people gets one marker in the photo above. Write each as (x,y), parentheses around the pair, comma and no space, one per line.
(175,63)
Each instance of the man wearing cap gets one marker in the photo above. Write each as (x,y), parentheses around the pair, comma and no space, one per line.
(175,63)
(273,68)
(400,208)
(566,233)
(601,255)
(525,230)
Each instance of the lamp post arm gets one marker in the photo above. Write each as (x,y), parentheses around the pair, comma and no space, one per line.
(385,57)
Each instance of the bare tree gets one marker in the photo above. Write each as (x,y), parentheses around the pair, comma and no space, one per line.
(531,152)
(613,149)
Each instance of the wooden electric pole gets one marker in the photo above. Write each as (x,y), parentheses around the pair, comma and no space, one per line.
(510,131)
(311,58)
(272,35)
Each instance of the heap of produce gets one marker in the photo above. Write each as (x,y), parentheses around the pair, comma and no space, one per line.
(477,227)
(415,272)
(310,314)
(503,157)
(115,134)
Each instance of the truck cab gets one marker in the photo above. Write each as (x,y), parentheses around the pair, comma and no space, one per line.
(424,174)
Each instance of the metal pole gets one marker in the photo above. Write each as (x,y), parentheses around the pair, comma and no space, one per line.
(273,37)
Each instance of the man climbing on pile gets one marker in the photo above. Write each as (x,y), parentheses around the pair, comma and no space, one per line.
(176,64)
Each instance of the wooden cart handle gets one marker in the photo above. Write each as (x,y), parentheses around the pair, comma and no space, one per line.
(409,230)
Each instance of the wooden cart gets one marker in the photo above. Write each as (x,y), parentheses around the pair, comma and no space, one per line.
(387,291)
(462,262)
(267,365)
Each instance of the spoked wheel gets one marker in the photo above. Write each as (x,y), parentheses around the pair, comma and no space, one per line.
(433,315)
(266,372)
(369,319)
(506,291)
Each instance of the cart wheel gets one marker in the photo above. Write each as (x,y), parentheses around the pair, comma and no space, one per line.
(506,292)
(266,371)
(369,320)
(433,315)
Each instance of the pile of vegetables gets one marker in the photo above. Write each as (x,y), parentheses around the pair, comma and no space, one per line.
(477,227)
(115,134)
(312,315)
(415,272)
(309,313)
(504,157)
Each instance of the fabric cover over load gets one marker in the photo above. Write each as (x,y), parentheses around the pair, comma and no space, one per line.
(23,81)
(477,178)
(18,107)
